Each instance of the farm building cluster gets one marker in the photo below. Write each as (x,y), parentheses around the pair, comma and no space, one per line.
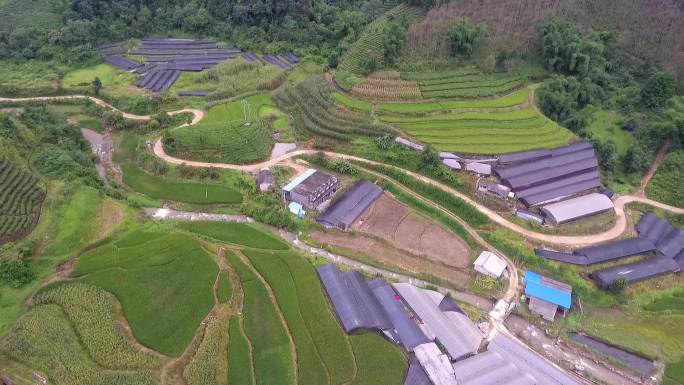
(657,239)
(164,59)
(445,346)
(550,186)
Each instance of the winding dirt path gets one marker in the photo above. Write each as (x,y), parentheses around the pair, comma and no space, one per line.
(575,240)
(654,167)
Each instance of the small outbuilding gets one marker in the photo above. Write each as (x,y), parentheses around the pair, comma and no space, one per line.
(546,296)
(478,168)
(265,180)
(490,264)
(296,209)
(495,189)
(577,208)
(530,216)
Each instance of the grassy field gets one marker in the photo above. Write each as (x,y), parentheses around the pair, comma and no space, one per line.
(323,355)
(237,233)
(236,142)
(666,183)
(239,362)
(273,361)
(179,191)
(164,285)
(76,113)
(114,81)
(387,368)
(225,288)
(605,127)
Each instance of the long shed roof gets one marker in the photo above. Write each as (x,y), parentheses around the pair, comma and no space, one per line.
(579,207)
(490,368)
(616,250)
(405,325)
(637,271)
(671,243)
(354,202)
(416,374)
(459,336)
(353,300)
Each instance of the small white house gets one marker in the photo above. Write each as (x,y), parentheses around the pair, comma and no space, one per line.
(296,209)
(490,264)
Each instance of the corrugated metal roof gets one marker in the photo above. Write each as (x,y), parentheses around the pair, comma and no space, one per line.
(550,174)
(547,289)
(637,271)
(616,250)
(646,222)
(579,207)
(524,156)
(671,243)
(562,257)
(529,362)
(490,263)
(480,168)
(416,375)
(406,327)
(490,368)
(355,201)
(554,161)
(459,336)
(448,155)
(299,179)
(410,144)
(452,164)
(435,364)
(561,188)
(354,303)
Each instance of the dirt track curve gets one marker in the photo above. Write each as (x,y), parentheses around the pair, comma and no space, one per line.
(564,240)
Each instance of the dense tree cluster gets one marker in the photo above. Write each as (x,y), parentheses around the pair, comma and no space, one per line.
(319,25)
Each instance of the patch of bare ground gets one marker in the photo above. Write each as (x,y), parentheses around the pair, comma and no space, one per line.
(386,254)
(396,223)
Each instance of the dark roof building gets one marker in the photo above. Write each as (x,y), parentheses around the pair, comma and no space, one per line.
(637,271)
(543,176)
(311,188)
(354,302)
(349,207)
(416,374)
(615,250)
(404,324)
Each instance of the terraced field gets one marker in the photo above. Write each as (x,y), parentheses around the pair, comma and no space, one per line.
(222,142)
(20,200)
(481,126)
(387,85)
(463,83)
(370,42)
(315,113)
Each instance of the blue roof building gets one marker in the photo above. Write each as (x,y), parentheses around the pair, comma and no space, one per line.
(546,295)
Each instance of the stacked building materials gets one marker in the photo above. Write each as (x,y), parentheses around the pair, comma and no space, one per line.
(544,176)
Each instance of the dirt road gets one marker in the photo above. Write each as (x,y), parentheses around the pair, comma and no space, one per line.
(654,167)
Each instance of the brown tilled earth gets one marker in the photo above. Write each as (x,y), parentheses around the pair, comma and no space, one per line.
(396,223)
(383,252)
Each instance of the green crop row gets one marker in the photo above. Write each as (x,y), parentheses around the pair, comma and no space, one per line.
(44,339)
(461,84)
(511,125)
(521,114)
(20,199)
(318,337)
(203,368)
(237,233)
(271,346)
(235,142)
(92,313)
(426,76)
(239,362)
(472,92)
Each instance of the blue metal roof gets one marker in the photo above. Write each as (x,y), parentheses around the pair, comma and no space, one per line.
(299,179)
(536,288)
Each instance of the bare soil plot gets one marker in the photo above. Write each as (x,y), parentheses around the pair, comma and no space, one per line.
(389,255)
(395,222)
